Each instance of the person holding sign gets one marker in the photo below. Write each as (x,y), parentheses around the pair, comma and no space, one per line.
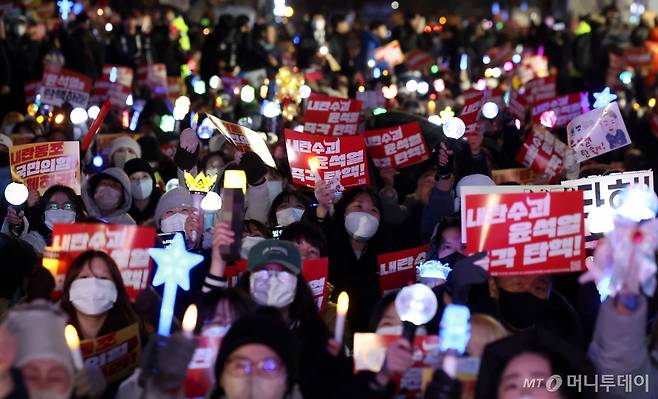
(352,230)
(95,298)
(274,279)
(107,195)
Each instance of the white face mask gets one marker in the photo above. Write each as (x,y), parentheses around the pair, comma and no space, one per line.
(93,296)
(361,225)
(397,330)
(247,244)
(107,198)
(58,216)
(173,223)
(288,216)
(120,158)
(215,331)
(253,387)
(142,188)
(272,291)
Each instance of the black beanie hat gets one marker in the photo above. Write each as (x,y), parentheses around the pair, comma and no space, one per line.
(137,165)
(265,328)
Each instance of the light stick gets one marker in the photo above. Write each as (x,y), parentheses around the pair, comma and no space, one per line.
(455,333)
(16,193)
(93,129)
(603,98)
(174,265)
(73,341)
(416,305)
(341,312)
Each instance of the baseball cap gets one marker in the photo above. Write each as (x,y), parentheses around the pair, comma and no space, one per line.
(281,252)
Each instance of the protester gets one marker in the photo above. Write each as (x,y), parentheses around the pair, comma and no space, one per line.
(107,195)
(143,187)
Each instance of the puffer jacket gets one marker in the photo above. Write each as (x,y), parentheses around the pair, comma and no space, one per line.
(119,216)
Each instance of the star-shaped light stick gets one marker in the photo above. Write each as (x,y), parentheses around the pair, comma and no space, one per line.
(174,265)
(604,98)
(65,8)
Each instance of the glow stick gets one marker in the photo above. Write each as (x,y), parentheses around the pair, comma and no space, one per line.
(343,305)
(73,341)
(93,129)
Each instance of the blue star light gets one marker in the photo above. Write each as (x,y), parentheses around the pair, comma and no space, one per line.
(65,8)
(604,98)
(174,265)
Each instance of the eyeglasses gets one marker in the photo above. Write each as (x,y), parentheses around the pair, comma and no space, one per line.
(54,206)
(242,367)
(264,275)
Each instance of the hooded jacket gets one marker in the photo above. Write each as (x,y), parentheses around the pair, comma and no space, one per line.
(119,216)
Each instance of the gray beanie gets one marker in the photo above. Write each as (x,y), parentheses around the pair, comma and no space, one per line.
(126,142)
(39,329)
(178,197)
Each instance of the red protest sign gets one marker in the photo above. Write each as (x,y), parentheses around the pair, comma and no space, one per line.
(315,272)
(115,84)
(638,57)
(417,60)
(200,376)
(154,76)
(331,116)
(391,53)
(340,158)
(116,353)
(127,245)
(541,89)
(527,233)
(397,147)
(517,105)
(42,165)
(473,100)
(398,269)
(61,86)
(543,153)
(565,108)
(370,352)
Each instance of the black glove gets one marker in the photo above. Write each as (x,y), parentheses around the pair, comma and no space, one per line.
(443,387)
(165,360)
(465,274)
(448,167)
(253,167)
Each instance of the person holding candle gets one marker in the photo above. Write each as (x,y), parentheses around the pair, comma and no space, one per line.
(43,357)
(351,226)
(95,299)
(274,279)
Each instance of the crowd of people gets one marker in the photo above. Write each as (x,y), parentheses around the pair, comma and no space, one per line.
(272,339)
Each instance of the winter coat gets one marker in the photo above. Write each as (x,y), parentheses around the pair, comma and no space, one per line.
(119,216)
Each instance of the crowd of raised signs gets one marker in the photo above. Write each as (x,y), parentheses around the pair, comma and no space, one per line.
(207,200)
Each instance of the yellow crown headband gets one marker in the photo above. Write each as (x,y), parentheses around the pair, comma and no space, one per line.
(200,183)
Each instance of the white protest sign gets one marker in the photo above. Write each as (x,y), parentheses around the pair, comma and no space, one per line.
(597,132)
(600,191)
(471,190)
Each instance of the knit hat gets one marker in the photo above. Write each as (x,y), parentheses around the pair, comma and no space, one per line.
(137,165)
(471,180)
(123,142)
(5,140)
(265,329)
(281,252)
(39,328)
(179,197)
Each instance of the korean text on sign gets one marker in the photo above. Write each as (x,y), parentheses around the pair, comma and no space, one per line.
(473,100)
(42,165)
(60,86)
(341,158)
(529,233)
(543,153)
(315,272)
(398,269)
(116,354)
(127,245)
(397,147)
(597,132)
(331,116)
(601,191)
(565,107)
